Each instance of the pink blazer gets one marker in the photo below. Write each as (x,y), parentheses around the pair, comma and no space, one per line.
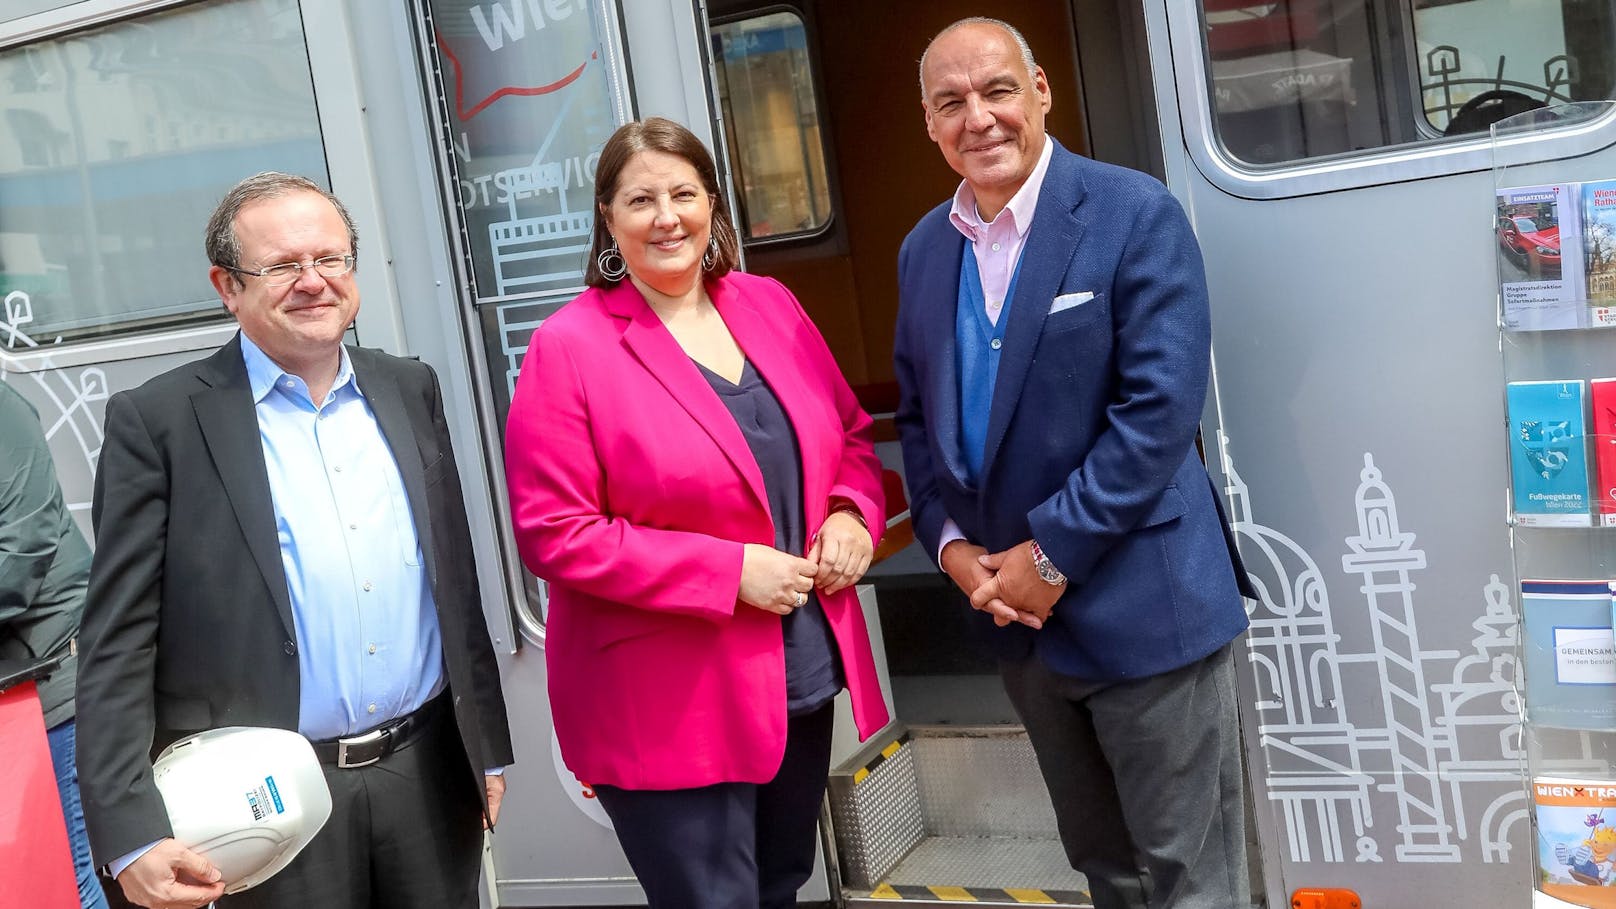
(632,491)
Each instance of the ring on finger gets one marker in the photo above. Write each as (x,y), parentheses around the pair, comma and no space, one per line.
(802,599)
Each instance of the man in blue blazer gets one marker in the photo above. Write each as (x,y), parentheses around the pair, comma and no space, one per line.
(1052,353)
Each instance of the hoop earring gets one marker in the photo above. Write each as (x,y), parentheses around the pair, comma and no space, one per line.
(710,257)
(610,263)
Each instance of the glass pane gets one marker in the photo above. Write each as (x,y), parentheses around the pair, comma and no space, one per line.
(1468,58)
(1298,79)
(528,107)
(117,143)
(767,92)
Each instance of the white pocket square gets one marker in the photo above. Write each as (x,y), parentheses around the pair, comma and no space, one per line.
(1067,301)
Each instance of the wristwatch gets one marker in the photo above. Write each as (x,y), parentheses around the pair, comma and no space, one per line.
(1046,569)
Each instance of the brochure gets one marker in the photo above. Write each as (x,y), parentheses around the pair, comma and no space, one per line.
(1540,263)
(1570,654)
(1548,453)
(1599,251)
(1576,839)
(1602,438)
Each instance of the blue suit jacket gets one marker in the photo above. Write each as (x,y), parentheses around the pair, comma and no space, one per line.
(1091,434)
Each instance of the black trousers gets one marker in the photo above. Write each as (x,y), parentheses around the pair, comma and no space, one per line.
(730,845)
(405,833)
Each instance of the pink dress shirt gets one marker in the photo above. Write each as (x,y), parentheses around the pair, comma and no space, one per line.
(997,245)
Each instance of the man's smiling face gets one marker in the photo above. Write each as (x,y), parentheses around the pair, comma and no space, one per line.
(303,321)
(985,110)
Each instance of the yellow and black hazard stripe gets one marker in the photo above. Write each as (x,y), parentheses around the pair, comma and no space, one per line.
(1028,896)
(892,748)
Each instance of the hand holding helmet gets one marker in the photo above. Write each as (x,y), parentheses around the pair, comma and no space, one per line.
(242,803)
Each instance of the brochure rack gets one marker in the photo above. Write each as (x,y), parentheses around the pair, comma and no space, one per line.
(1556,254)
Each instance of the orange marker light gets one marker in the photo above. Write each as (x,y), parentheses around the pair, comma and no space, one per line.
(1325,898)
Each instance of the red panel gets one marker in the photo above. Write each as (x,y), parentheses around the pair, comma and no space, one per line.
(37,868)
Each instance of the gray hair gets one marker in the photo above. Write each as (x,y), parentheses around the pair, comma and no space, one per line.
(1007,28)
(224,247)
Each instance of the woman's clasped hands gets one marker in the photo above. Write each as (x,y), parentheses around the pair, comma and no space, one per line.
(779,582)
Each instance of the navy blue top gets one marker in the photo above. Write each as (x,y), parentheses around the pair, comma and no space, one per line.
(813,669)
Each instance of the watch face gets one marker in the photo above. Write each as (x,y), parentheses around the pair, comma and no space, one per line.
(1046,569)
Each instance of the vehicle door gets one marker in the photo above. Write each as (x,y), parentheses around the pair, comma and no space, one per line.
(1335,160)
(522,96)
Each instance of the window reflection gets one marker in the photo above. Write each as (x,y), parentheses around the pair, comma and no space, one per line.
(1301,79)
(1474,73)
(526,108)
(1284,77)
(775,143)
(117,143)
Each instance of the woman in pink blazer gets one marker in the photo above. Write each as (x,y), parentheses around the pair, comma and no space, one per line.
(696,482)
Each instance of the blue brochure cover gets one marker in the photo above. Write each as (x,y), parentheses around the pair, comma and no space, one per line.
(1548,454)
(1570,654)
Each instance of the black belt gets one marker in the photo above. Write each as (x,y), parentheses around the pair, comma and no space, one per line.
(367,748)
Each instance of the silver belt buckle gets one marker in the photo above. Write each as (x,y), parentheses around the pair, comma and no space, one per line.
(368,738)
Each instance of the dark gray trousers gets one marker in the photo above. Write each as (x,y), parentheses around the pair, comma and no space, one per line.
(1144,771)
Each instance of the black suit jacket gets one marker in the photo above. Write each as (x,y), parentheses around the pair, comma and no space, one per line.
(188,622)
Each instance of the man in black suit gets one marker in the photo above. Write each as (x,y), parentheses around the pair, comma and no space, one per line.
(282,542)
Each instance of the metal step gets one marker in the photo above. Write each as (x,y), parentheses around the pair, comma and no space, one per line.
(992,871)
(943,815)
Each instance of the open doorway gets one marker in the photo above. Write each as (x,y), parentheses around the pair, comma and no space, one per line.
(817,110)
(832,165)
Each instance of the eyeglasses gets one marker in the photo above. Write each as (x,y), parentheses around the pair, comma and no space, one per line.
(289,272)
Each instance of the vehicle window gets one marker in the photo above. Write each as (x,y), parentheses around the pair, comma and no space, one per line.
(526,107)
(115,145)
(775,142)
(1304,79)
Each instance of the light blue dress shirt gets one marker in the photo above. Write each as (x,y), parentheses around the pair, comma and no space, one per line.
(368,645)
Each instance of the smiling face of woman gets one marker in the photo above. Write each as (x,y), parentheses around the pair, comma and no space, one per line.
(661,217)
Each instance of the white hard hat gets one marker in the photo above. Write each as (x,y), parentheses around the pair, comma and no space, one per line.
(246,799)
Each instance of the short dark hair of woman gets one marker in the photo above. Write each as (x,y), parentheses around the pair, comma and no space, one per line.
(658,134)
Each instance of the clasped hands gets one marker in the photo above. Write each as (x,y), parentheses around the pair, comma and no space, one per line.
(778,582)
(1004,584)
